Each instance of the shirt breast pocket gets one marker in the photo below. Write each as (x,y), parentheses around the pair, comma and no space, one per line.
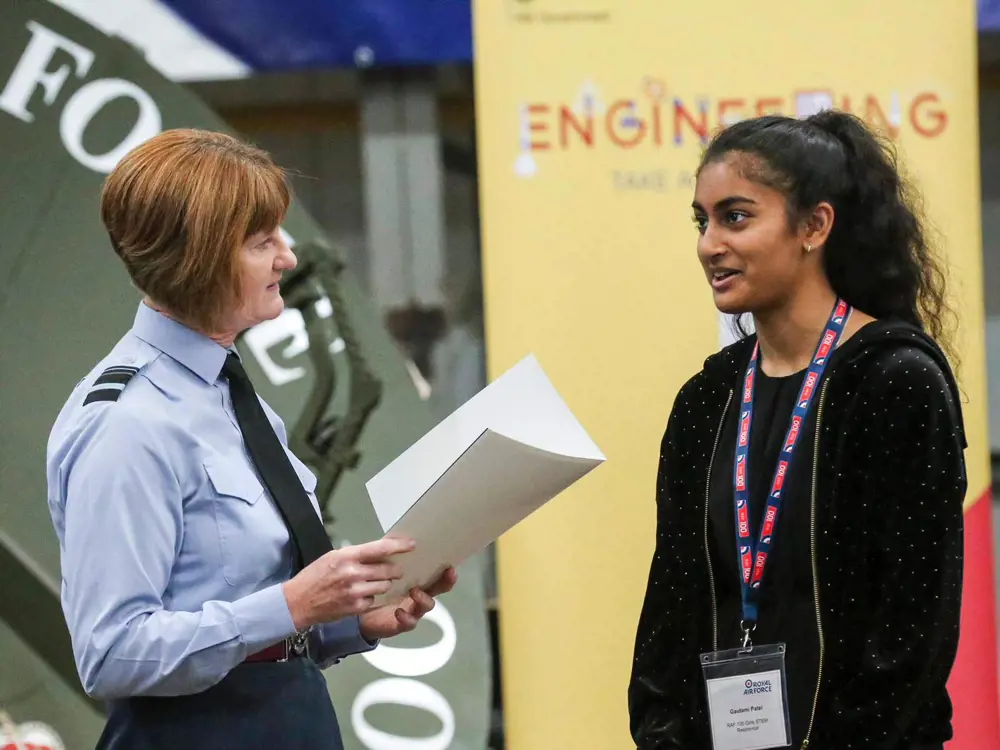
(252,535)
(306,477)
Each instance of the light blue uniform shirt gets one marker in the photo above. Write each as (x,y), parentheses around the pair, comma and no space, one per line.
(172,551)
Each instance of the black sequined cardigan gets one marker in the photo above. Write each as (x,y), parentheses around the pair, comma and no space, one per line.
(886,543)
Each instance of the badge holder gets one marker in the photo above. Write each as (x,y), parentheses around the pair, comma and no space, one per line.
(747,704)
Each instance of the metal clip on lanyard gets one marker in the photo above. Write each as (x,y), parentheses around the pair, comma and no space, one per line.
(753,558)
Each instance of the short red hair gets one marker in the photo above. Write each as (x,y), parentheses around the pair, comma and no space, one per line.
(179,207)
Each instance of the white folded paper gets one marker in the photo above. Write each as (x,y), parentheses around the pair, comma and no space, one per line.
(503,454)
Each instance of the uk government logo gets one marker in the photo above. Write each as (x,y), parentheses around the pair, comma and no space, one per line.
(558,12)
(657,121)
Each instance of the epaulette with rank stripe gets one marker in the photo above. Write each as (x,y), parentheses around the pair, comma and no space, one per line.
(110,384)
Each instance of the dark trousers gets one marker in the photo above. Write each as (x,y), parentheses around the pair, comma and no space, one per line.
(262,705)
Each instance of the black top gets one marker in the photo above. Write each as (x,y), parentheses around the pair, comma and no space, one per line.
(786,604)
(888,533)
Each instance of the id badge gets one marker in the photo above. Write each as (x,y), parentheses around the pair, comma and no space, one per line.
(747,705)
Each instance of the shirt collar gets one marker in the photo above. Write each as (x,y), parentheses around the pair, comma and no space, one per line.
(194,350)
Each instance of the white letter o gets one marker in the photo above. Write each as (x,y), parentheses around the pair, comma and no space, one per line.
(415,662)
(87,102)
(402,692)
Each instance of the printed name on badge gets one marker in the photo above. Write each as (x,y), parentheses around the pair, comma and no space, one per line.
(747,711)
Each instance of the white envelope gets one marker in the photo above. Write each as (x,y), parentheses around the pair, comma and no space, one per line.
(503,454)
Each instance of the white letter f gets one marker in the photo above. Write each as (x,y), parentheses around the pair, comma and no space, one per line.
(30,70)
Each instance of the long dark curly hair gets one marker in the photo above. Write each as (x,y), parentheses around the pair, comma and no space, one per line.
(877,256)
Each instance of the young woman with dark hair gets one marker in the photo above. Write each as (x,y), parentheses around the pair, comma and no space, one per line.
(809,541)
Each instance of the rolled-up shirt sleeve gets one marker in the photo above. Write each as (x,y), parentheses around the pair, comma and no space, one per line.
(123,528)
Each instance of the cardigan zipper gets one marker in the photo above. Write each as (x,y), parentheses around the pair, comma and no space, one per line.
(812,549)
(708,554)
(815,574)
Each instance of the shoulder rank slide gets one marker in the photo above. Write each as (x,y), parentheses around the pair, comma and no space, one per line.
(110,384)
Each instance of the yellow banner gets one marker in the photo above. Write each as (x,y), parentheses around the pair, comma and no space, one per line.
(591,115)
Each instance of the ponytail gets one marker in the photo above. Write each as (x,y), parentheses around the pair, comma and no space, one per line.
(877,256)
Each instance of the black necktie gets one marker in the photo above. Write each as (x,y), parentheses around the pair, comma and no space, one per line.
(309,537)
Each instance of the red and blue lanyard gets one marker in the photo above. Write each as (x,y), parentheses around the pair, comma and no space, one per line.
(754,560)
